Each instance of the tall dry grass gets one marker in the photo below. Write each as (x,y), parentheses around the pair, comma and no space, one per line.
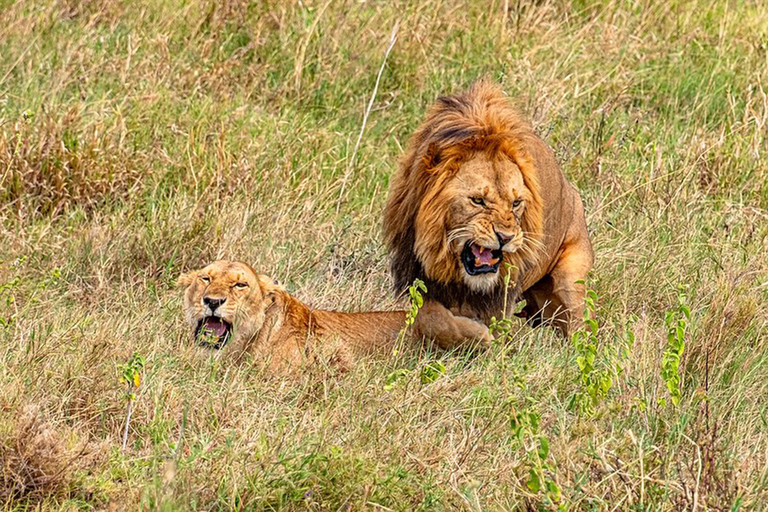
(139,139)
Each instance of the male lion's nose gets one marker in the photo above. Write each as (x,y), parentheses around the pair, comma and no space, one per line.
(213,303)
(503,239)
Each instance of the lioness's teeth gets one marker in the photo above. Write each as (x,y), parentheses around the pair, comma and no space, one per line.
(478,263)
(494,261)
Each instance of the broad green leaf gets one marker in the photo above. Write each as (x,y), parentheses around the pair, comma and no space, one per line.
(431,372)
(534,482)
(543,447)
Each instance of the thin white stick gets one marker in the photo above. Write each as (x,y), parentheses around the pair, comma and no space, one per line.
(392,40)
(127,424)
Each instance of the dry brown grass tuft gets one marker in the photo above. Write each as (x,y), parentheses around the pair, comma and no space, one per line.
(40,459)
(55,164)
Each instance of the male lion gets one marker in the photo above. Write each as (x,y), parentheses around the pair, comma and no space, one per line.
(228,303)
(477,190)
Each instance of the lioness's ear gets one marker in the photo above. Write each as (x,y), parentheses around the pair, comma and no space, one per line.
(271,290)
(269,285)
(187,279)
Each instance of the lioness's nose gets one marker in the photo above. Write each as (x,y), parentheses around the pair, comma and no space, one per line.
(213,303)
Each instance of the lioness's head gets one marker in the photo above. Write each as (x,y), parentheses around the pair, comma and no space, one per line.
(225,301)
(466,197)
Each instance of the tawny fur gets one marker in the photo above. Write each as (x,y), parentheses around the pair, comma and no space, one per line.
(277,328)
(477,136)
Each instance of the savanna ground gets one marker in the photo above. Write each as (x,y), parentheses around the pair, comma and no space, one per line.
(142,138)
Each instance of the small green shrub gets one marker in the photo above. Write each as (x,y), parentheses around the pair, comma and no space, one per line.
(594,383)
(130,377)
(677,321)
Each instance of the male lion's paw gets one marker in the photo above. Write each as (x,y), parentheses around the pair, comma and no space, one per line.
(474,332)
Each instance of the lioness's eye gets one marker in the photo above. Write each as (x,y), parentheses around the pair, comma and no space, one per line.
(516,203)
(240,286)
(205,279)
(478,201)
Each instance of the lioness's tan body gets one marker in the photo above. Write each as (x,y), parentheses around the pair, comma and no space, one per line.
(294,334)
(278,329)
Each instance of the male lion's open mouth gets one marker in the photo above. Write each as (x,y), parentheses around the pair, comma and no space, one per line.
(480,260)
(212,332)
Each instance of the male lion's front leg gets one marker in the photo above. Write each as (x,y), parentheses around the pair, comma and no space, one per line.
(448,330)
(558,298)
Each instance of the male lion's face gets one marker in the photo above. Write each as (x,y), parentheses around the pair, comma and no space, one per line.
(485,204)
(225,300)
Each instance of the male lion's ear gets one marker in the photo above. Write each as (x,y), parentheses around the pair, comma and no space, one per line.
(187,279)
(432,156)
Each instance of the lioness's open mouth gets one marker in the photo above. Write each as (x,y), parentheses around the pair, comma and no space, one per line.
(212,332)
(480,260)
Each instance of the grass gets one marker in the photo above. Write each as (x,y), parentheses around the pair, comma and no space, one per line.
(140,139)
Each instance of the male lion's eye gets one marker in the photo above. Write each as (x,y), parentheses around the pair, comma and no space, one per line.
(516,203)
(241,286)
(205,279)
(478,201)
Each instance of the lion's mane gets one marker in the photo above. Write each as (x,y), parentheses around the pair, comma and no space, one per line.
(457,127)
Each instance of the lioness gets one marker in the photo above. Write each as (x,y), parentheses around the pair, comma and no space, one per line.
(477,195)
(228,303)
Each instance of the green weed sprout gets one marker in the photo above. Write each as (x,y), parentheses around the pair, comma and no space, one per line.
(130,377)
(594,383)
(677,321)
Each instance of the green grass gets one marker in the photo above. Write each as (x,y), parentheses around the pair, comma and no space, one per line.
(141,139)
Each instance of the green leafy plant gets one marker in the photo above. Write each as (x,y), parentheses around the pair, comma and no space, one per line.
(677,321)
(430,372)
(541,478)
(594,382)
(394,377)
(8,299)
(130,377)
(524,421)
(628,340)
(415,302)
(501,328)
